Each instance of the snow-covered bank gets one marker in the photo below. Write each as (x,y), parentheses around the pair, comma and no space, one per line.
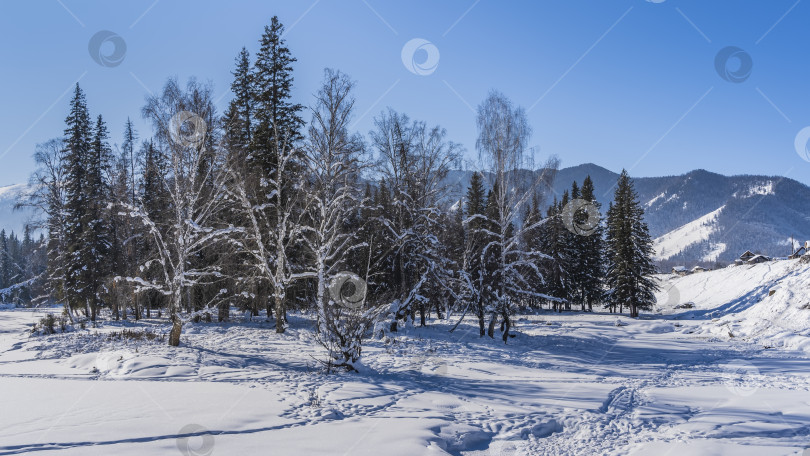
(767,303)
(566,384)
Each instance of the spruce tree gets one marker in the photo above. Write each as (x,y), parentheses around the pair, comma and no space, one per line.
(128,157)
(95,247)
(157,204)
(475,243)
(532,240)
(278,119)
(269,179)
(629,253)
(576,251)
(153,190)
(5,263)
(491,256)
(592,253)
(77,144)
(496,262)
(554,243)
(238,119)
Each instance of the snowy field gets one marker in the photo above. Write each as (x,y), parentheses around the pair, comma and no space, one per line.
(730,376)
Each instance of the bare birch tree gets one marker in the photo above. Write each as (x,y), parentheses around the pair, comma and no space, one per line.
(48,198)
(273,211)
(513,266)
(334,163)
(413,159)
(185,131)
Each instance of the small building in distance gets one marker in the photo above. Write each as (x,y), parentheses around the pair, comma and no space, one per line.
(750,258)
(803,250)
(680,270)
(698,269)
(758,259)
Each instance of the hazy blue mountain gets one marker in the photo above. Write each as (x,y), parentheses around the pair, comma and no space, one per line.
(12,220)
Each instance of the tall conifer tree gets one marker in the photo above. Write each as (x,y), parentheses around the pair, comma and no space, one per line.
(77,143)
(591,259)
(475,243)
(629,253)
(278,119)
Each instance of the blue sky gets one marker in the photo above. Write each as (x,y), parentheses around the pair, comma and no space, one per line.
(620,83)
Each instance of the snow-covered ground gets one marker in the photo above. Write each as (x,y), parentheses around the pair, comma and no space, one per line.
(673,382)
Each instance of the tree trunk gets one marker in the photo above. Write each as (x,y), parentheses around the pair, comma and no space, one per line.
(491,329)
(481,330)
(114,305)
(279,313)
(507,325)
(174,334)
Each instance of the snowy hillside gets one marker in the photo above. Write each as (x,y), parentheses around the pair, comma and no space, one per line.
(12,220)
(767,303)
(759,212)
(678,240)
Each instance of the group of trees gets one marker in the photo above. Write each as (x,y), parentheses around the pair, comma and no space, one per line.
(21,261)
(259,210)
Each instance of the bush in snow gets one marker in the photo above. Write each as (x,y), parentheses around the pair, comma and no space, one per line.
(51,324)
(344,321)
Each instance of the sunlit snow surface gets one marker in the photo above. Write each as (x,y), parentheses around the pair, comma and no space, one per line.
(674,382)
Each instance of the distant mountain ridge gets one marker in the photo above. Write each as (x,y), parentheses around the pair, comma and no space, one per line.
(10,219)
(702,217)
